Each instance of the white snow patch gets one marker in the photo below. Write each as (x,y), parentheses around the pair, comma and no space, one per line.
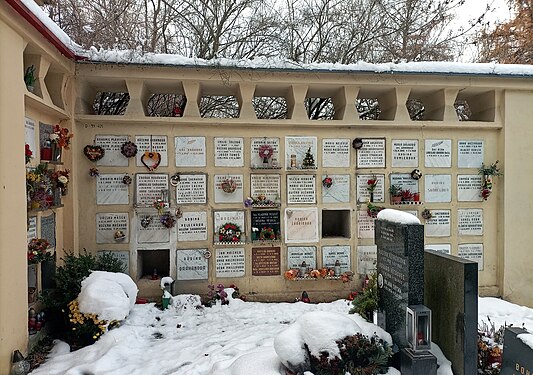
(527,338)
(444,366)
(59,348)
(397,216)
(167,280)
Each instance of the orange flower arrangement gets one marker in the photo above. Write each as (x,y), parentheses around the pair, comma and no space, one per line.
(61,136)
(291,274)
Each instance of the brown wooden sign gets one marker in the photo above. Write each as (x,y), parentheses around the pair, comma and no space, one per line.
(266,261)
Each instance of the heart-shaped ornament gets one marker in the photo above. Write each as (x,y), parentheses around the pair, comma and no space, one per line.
(93,153)
(151,160)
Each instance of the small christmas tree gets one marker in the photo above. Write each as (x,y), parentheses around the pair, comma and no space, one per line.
(309,160)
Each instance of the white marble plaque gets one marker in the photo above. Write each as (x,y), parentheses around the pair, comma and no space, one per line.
(192,189)
(405,153)
(109,223)
(192,226)
(367,259)
(32,228)
(298,254)
(470,153)
(469,187)
(473,252)
(148,188)
(336,153)
(365,225)
(268,185)
(190,151)
(438,153)
(301,189)
(221,196)
(439,225)
(155,232)
(296,149)
(438,188)
(112,144)
(470,221)
(330,254)
(123,256)
(372,154)
(444,248)
(191,264)
(152,143)
(256,161)
(224,217)
(229,152)
(363,194)
(230,262)
(405,182)
(29,136)
(111,190)
(301,225)
(339,192)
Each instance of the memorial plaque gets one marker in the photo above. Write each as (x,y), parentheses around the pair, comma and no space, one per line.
(266,261)
(339,192)
(256,160)
(32,228)
(470,153)
(469,188)
(224,217)
(48,229)
(330,255)
(154,232)
(107,224)
(365,225)
(296,149)
(363,194)
(229,152)
(148,188)
(223,197)
(473,252)
(111,190)
(230,262)
(301,225)
(301,189)
(517,352)
(191,264)
(123,256)
(266,224)
(192,189)
(444,248)
(404,181)
(438,153)
(112,144)
(268,185)
(439,224)
(470,221)
(29,136)
(44,133)
(190,151)
(367,257)
(438,188)
(298,254)
(192,226)
(336,153)
(405,153)
(152,143)
(372,154)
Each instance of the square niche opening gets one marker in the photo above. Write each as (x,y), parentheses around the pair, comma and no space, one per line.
(150,260)
(336,223)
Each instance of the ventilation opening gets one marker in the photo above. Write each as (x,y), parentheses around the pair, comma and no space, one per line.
(54,84)
(166,105)
(336,223)
(368,108)
(219,106)
(475,105)
(149,261)
(319,108)
(463,110)
(110,103)
(270,107)
(416,109)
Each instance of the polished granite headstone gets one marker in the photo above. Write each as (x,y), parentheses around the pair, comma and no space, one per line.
(517,355)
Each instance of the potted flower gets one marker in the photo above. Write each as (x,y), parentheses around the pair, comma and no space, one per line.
(60,140)
(416,197)
(396,194)
(29,78)
(407,196)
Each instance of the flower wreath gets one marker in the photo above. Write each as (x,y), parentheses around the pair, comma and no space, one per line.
(267,233)
(37,250)
(128,149)
(327,182)
(228,185)
(229,232)
(167,220)
(266,152)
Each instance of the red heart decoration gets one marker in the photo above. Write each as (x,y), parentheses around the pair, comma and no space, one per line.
(151,160)
(93,153)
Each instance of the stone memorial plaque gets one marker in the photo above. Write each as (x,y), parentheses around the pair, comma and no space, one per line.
(336,153)
(229,152)
(470,153)
(339,192)
(469,187)
(405,153)
(298,254)
(225,217)
(223,197)
(301,189)
(29,136)
(107,224)
(404,181)
(296,149)
(268,185)
(123,256)
(192,226)
(148,188)
(111,190)
(112,144)
(191,264)
(230,262)
(372,154)
(438,188)
(152,143)
(444,248)
(473,252)
(257,161)
(190,151)
(301,225)
(365,225)
(32,228)
(154,232)
(363,194)
(330,254)
(367,257)
(192,189)
(48,229)
(266,224)
(439,225)
(44,133)
(517,352)
(438,153)
(266,261)
(470,221)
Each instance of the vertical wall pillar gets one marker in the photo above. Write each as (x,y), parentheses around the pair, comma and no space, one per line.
(245,97)
(192,93)
(137,101)
(295,102)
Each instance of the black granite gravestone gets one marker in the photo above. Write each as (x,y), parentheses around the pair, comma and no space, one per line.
(451,292)
(517,355)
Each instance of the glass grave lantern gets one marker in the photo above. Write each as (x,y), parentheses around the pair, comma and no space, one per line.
(418,321)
